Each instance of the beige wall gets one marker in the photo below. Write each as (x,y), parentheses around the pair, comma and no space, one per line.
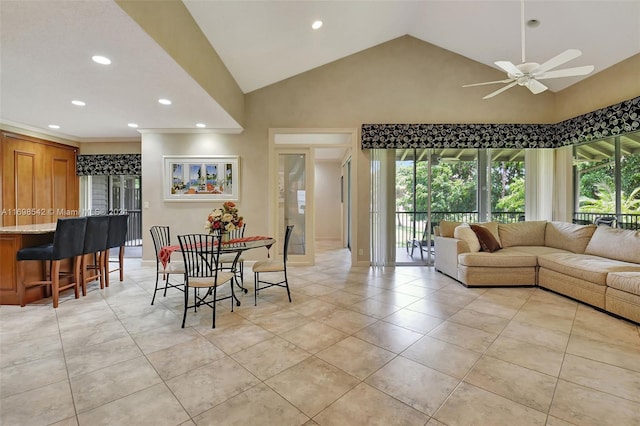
(611,86)
(189,217)
(93,148)
(327,200)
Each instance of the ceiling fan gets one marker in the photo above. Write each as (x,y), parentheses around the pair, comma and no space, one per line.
(528,73)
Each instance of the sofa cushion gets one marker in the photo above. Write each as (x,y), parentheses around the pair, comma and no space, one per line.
(583,266)
(625,281)
(447,227)
(568,236)
(522,233)
(537,250)
(613,243)
(493,228)
(465,233)
(505,258)
(487,241)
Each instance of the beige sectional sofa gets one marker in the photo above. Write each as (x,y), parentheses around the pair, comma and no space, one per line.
(599,266)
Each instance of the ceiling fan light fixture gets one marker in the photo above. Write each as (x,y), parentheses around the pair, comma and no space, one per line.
(527,74)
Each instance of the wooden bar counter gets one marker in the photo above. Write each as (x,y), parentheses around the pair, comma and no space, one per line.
(12,239)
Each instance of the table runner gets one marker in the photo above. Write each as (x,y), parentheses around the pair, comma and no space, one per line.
(165,252)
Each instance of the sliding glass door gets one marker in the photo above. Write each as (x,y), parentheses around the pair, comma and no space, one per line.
(463,185)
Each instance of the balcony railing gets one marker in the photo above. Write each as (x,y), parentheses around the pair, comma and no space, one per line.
(623,221)
(134,229)
(412,225)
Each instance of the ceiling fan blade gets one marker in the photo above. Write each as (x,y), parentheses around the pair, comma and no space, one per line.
(497,92)
(535,86)
(509,68)
(557,60)
(509,80)
(567,72)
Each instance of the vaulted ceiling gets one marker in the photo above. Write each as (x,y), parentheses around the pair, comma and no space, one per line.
(46,49)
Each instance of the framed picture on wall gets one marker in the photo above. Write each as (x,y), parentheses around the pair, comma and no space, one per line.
(201,178)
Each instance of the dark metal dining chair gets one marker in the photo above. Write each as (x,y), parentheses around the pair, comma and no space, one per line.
(201,254)
(227,259)
(161,237)
(68,243)
(273,266)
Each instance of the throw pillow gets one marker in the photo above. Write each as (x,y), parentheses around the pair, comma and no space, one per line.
(486,239)
(465,233)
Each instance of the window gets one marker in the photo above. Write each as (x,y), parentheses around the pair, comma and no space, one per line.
(507,185)
(446,184)
(607,180)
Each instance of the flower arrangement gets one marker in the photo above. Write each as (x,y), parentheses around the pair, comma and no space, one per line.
(226,219)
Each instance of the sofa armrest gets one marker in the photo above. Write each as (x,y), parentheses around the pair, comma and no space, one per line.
(446,254)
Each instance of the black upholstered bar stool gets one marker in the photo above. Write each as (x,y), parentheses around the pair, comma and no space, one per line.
(118,226)
(68,243)
(95,247)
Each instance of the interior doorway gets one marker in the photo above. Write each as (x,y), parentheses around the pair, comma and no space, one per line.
(311,175)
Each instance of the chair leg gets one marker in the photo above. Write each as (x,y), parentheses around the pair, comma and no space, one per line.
(166,284)
(106,268)
(256,278)
(214,304)
(97,262)
(76,275)
(186,303)
(286,283)
(83,274)
(121,262)
(155,291)
(55,282)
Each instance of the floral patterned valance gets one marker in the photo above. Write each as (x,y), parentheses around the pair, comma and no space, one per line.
(109,164)
(606,122)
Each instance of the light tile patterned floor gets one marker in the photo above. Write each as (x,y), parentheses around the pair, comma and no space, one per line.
(358,346)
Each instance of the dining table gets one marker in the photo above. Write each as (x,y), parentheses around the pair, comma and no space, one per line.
(235,246)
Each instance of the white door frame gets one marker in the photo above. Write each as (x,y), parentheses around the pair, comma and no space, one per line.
(350,141)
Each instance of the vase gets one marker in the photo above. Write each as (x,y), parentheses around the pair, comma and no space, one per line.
(225,237)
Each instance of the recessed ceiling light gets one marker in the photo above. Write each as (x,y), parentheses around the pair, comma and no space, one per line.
(78,103)
(102,60)
(201,125)
(134,125)
(54,126)
(316,24)
(164,101)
